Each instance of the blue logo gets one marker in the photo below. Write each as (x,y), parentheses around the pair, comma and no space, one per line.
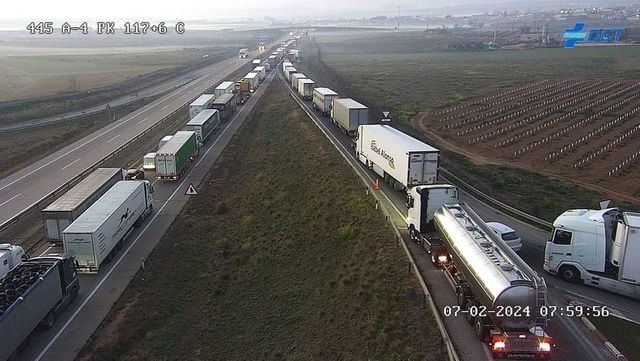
(578,35)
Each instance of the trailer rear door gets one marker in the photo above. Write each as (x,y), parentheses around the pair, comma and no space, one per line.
(423,168)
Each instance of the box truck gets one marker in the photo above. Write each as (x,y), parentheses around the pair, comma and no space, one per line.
(226,87)
(253,80)
(174,157)
(202,102)
(10,256)
(204,124)
(295,77)
(262,72)
(149,161)
(102,229)
(600,248)
(305,88)
(348,114)
(34,293)
(226,105)
(400,159)
(323,99)
(64,210)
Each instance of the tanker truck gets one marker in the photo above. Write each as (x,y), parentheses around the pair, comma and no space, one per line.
(497,292)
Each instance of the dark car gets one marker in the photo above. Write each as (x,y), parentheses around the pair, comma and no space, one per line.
(134,174)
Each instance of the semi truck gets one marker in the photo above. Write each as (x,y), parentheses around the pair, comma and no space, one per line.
(262,72)
(288,71)
(295,78)
(348,114)
(201,103)
(242,91)
(496,291)
(285,65)
(164,140)
(305,88)
(243,53)
(204,124)
(226,87)
(99,232)
(226,105)
(10,256)
(173,158)
(64,210)
(149,161)
(323,99)
(253,80)
(34,293)
(600,248)
(256,62)
(273,60)
(398,158)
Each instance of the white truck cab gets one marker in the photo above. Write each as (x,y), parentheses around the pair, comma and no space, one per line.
(597,247)
(423,202)
(10,256)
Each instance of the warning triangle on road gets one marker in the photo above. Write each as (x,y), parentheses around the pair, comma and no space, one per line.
(191,190)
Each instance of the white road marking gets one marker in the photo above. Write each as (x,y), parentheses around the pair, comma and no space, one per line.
(135,241)
(114,138)
(69,165)
(143,120)
(10,199)
(165,107)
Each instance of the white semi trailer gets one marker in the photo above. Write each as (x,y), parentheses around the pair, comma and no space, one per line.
(400,159)
(598,247)
(305,88)
(101,230)
(262,72)
(323,99)
(348,114)
(201,103)
(294,78)
(253,80)
(226,87)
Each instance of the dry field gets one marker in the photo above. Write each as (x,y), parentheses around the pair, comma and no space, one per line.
(586,130)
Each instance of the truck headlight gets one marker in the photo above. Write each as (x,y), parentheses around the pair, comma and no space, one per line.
(544,346)
(499,345)
(442,258)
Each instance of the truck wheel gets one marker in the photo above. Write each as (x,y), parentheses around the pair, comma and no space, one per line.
(570,274)
(479,328)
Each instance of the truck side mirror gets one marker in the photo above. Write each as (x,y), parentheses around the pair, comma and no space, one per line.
(409,202)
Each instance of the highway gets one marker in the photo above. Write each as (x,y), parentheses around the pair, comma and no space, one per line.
(573,340)
(99,292)
(26,187)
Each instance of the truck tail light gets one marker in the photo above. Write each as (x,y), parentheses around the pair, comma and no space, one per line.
(498,345)
(544,346)
(442,258)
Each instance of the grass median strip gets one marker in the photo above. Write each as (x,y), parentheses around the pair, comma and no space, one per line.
(282,255)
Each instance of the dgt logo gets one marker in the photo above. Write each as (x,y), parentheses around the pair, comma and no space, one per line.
(577,35)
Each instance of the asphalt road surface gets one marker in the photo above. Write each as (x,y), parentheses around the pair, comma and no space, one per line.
(99,292)
(24,188)
(573,340)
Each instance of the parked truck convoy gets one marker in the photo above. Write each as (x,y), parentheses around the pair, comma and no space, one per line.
(398,158)
(34,293)
(201,103)
(173,158)
(348,114)
(323,99)
(305,88)
(226,87)
(204,124)
(10,256)
(226,105)
(598,247)
(102,229)
(64,210)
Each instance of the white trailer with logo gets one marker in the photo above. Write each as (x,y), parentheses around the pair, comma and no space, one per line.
(323,99)
(226,87)
(102,229)
(400,159)
(305,88)
(201,103)
(348,114)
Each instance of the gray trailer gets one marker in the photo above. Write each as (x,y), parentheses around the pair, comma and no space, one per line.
(64,210)
(348,114)
(204,124)
(226,105)
(101,230)
(226,87)
(201,103)
(42,287)
(323,99)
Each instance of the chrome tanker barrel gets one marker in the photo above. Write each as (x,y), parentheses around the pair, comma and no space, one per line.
(495,276)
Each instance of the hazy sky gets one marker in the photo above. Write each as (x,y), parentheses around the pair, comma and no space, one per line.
(193,9)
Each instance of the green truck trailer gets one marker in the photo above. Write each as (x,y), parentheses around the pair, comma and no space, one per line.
(172,160)
(204,124)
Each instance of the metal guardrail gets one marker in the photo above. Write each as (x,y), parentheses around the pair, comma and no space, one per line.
(505,208)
